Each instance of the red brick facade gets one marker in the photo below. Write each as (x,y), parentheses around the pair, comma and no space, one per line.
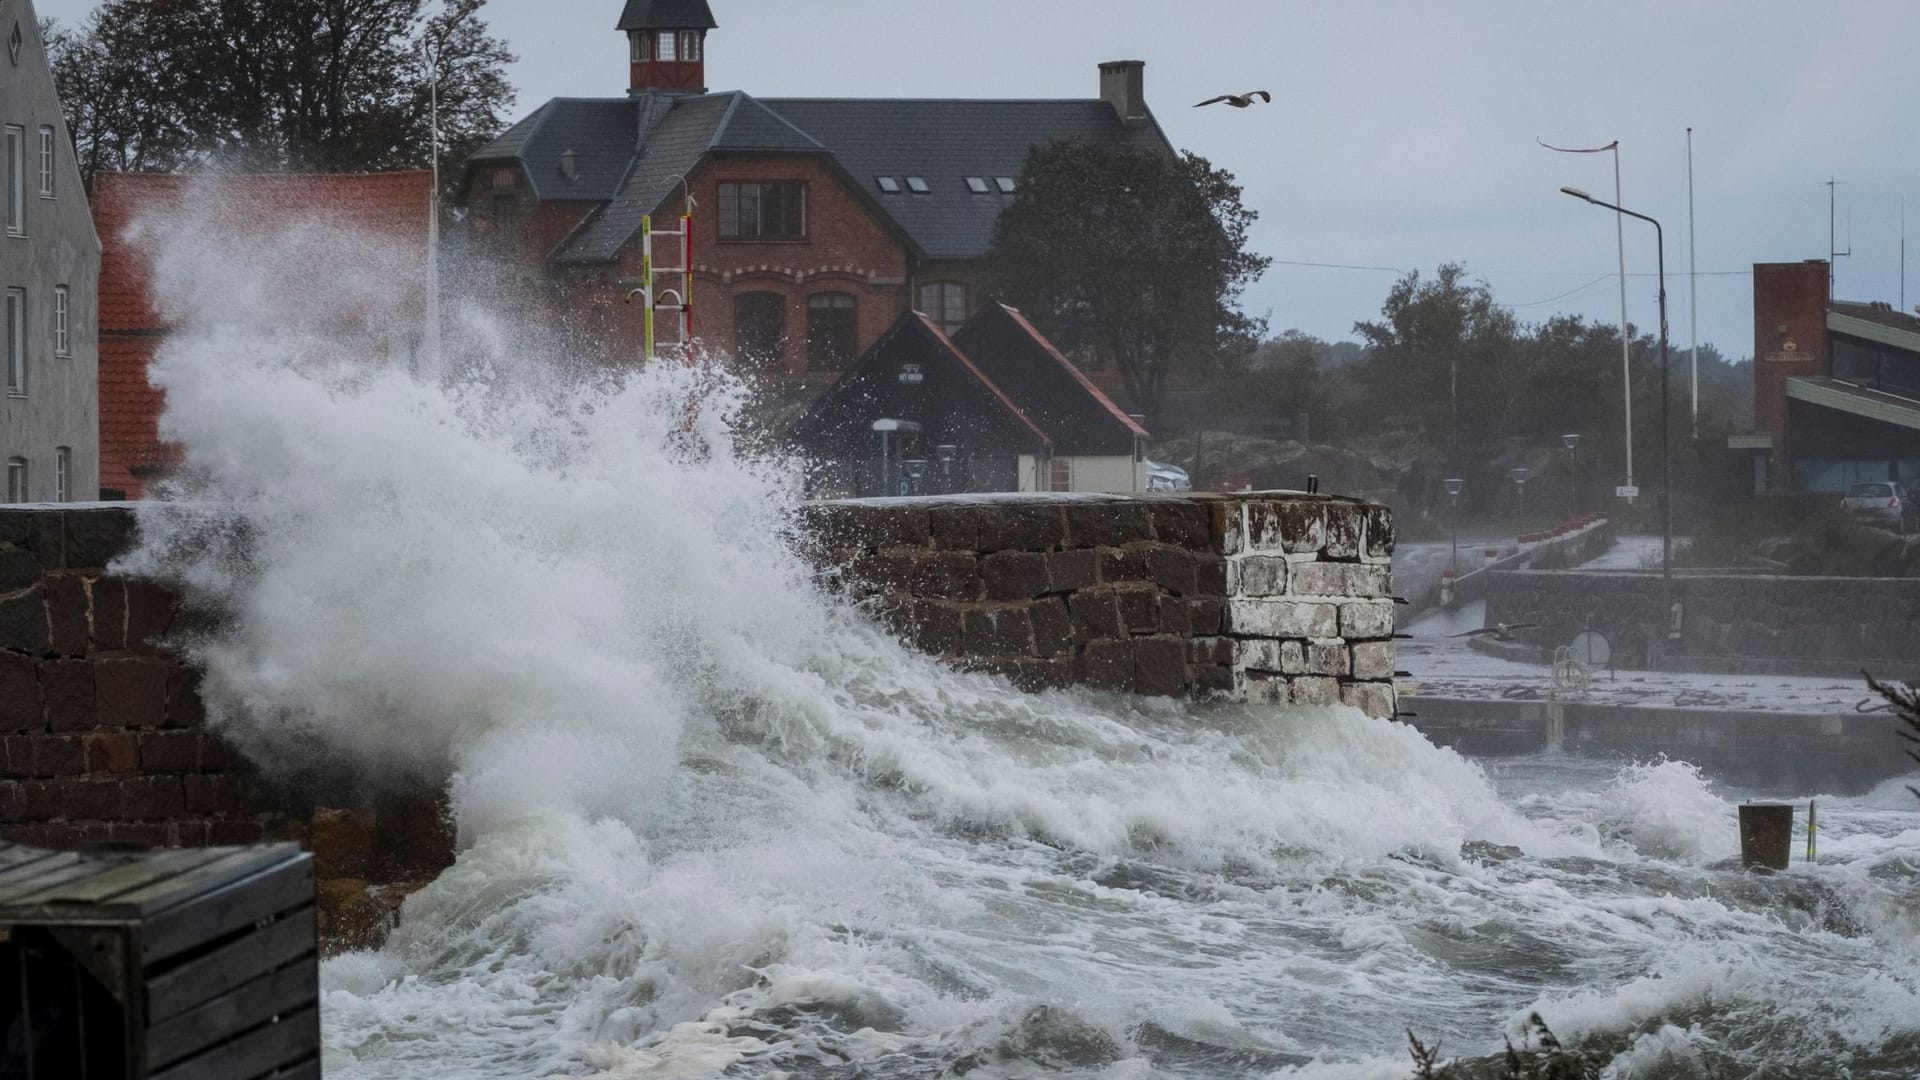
(1789,341)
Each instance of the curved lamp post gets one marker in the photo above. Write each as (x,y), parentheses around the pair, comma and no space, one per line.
(1666,403)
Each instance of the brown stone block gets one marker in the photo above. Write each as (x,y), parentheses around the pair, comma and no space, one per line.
(169,751)
(1022,528)
(16,756)
(1014,575)
(1139,609)
(1290,526)
(67,615)
(1182,524)
(938,627)
(150,612)
(216,755)
(193,832)
(350,919)
(1210,576)
(72,700)
(18,569)
(22,706)
(999,632)
(1052,627)
(1174,616)
(1096,615)
(416,838)
(46,538)
(343,842)
(1108,665)
(1107,524)
(1205,615)
(1069,571)
(90,800)
(23,624)
(946,575)
(113,752)
(1210,680)
(1172,569)
(1118,565)
(185,709)
(888,571)
(1343,531)
(1377,535)
(59,755)
(153,798)
(45,799)
(132,692)
(110,614)
(1034,675)
(1160,667)
(95,538)
(956,528)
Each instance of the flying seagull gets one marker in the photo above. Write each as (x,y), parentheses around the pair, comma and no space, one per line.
(1500,631)
(1238,101)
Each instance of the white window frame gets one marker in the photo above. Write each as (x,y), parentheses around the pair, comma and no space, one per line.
(17,478)
(62,313)
(667,48)
(46,162)
(16,345)
(16,180)
(63,474)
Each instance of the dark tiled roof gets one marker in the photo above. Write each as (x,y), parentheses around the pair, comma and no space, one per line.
(1883,315)
(601,132)
(1053,393)
(672,150)
(667,15)
(946,141)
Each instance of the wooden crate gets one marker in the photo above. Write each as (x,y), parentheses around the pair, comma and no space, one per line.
(168,965)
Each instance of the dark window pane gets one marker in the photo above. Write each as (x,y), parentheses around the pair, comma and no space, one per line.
(759,329)
(832,331)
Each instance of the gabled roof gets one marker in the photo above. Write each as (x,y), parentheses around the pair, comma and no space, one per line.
(943,142)
(1075,414)
(601,133)
(947,141)
(865,392)
(667,15)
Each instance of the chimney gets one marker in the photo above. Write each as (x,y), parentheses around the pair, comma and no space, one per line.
(1123,85)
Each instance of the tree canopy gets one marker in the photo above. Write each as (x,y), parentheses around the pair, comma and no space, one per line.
(1129,257)
(299,85)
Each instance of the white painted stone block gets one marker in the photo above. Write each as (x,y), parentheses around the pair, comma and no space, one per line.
(1258,617)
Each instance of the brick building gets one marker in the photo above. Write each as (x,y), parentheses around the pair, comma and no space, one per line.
(395,206)
(1836,384)
(818,222)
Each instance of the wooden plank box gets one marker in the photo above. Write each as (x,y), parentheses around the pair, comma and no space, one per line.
(167,965)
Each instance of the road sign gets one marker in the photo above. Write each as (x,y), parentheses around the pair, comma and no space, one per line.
(1627,491)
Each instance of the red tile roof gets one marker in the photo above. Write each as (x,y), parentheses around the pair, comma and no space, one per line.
(392,205)
(1073,369)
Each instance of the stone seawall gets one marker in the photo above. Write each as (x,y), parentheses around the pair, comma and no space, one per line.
(1729,622)
(1267,597)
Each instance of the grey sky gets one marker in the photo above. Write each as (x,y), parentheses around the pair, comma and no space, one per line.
(1402,131)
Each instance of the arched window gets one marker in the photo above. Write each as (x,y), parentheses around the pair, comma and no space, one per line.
(759,329)
(945,302)
(832,331)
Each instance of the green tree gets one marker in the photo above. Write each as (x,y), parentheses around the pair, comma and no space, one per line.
(304,85)
(1439,360)
(1133,257)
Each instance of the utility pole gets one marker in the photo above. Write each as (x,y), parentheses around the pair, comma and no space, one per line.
(1833,240)
(1693,281)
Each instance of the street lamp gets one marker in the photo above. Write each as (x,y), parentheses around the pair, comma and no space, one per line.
(1572,443)
(1666,402)
(1519,477)
(1453,503)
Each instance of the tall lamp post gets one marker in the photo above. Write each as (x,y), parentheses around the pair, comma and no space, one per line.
(1666,403)
(1453,504)
(1572,443)
(1519,478)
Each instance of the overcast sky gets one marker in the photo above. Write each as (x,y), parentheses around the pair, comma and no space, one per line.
(1402,131)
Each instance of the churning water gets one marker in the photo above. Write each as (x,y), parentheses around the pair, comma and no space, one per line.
(714,822)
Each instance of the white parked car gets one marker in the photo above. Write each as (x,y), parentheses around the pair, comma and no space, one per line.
(1883,502)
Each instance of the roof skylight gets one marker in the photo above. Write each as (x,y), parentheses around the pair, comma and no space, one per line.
(977,185)
(1006,184)
(888,184)
(918,185)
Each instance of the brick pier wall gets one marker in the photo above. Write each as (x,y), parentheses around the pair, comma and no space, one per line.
(1267,597)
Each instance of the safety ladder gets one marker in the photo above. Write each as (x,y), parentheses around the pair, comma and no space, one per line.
(667,300)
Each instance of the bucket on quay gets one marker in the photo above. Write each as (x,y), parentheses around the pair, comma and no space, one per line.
(1766,835)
